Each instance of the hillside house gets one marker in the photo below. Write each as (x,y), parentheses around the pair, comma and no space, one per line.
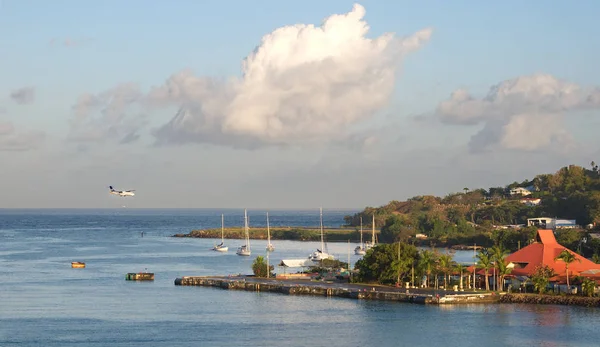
(552,223)
(520,191)
(530,201)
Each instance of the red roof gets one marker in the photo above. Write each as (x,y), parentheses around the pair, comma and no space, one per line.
(544,252)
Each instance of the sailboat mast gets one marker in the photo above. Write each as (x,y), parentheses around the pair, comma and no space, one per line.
(222,232)
(268,230)
(361,238)
(373,237)
(321,219)
(246,229)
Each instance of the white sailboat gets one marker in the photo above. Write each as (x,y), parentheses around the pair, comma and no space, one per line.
(372,243)
(244,250)
(360,250)
(270,247)
(321,254)
(221,246)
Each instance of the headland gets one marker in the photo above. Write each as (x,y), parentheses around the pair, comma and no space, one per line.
(284,233)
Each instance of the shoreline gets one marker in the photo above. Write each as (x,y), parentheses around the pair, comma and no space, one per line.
(338,289)
(289,233)
(360,291)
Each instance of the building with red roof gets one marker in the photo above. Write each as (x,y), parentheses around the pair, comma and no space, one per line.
(544,252)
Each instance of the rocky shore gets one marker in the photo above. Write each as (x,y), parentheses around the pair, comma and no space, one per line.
(550,300)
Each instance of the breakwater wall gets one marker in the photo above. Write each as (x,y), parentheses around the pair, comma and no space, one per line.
(550,300)
(330,290)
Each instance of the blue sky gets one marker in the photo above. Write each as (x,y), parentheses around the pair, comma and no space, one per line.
(388,153)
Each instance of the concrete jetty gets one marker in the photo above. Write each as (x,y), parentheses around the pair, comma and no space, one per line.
(343,290)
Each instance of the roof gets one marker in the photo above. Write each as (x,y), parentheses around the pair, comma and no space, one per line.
(296,263)
(543,252)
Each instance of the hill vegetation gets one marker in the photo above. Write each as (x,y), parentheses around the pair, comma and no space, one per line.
(493,216)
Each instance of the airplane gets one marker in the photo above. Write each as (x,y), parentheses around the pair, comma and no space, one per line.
(122,193)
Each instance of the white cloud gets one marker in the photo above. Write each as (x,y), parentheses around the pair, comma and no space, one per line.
(525,113)
(108,115)
(11,140)
(23,96)
(304,84)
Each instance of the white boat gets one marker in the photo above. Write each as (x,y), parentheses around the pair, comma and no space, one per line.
(244,250)
(360,250)
(321,254)
(371,244)
(221,246)
(270,247)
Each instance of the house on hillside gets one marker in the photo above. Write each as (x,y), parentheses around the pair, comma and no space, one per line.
(525,261)
(552,223)
(530,201)
(520,191)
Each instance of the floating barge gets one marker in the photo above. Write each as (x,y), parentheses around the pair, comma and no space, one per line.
(140,276)
(343,290)
(77,265)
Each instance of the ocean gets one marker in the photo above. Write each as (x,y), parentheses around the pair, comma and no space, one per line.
(45,302)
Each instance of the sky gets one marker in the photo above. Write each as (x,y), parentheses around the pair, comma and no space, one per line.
(289,104)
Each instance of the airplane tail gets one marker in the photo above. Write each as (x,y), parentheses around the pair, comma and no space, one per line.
(111,188)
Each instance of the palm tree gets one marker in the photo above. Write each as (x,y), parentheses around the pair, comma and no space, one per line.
(445,267)
(568,257)
(466,190)
(425,262)
(503,270)
(484,262)
(497,255)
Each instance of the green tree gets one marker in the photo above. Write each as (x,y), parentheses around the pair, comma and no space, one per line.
(484,262)
(384,264)
(497,255)
(568,257)
(588,286)
(445,265)
(426,262)
(259,267)
(541,277)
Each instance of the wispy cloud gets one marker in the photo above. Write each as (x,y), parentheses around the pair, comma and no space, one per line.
(11,140)
(23,96)
(524,113)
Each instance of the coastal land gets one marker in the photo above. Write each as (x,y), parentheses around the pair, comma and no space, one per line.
(285,233)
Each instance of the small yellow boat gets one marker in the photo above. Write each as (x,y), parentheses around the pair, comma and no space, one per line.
(77,265)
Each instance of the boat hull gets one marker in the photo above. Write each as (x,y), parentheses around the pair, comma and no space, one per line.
(221,249)
(244,253)
(77,265)
(142,276)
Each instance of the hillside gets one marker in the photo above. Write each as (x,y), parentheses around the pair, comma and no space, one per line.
(490,216)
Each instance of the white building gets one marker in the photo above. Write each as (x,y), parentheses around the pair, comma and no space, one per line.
(552,223)
(520,191)
(531,201)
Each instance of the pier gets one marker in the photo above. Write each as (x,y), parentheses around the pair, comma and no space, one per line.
(343,290)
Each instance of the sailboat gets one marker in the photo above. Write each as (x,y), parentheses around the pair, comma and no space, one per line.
(360,250)
(372,244)
(270,247)
(321,254)
(245,249)
(221,246)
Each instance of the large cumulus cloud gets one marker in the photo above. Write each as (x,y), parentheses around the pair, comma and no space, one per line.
(302,84)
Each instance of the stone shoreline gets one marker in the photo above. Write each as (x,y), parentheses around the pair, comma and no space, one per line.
(342,290)
(550,300)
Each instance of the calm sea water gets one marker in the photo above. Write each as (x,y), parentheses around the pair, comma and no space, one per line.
(44,302)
